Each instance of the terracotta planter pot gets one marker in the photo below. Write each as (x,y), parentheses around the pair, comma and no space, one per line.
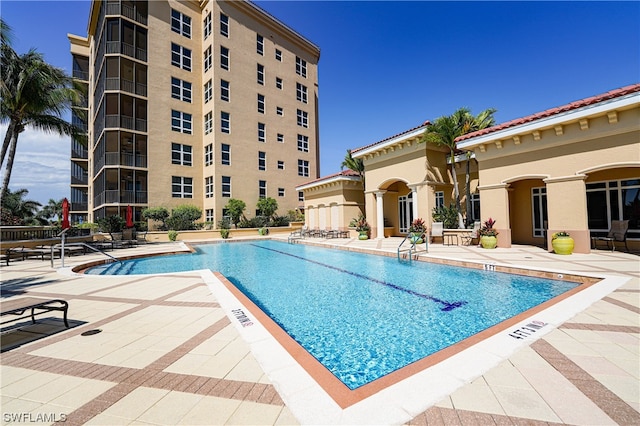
(562,245)
(488,241)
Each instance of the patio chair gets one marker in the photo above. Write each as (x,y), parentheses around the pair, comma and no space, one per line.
(618,232)
(437,230)
(468,239)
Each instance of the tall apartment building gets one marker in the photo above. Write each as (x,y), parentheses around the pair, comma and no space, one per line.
(192,102)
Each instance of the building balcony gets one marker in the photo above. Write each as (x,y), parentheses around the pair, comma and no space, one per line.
(79,207)
(126,11)
(120,197)
(79,153)
(80,180)
(126,86)
(127,50)
(125,122)
(81,75)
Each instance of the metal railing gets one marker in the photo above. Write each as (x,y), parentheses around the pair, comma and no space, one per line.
(412,250)
(62,245)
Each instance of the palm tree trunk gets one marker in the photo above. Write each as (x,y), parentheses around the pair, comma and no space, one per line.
(7,140)
(467,190)
(7,171)
(455,181)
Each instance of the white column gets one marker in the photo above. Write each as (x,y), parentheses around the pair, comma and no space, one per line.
(379,214)
(414,200)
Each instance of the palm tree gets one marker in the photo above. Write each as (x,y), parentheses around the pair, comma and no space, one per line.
(355,164)
(444,131)
(32,94)
(16,209)
(51,210)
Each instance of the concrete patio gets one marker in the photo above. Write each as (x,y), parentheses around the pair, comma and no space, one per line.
(168,352)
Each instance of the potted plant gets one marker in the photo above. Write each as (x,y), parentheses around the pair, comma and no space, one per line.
(488,234)
(562,243)
(363,228)
(417,230)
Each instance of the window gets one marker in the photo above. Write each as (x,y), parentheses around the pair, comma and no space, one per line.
(208,123)
(260,103)
(181,154)
(180,122)
(208,91)
(303,118)
(259,44)
(180,57)
(262,160)
(280,138)
(301,93)
(224,58)
(181,187)
(180,89)
(279,83)
(208,155)
(279,110)
(280,192)
(439,199)
(261,74)
(207,59)
(208,215)
(303,143)
(180,23)
(208,187)
(300,196)
(279,55)
(225,122)
(262,133)
(225,93)
(301,67)
(303,168)
(206,25)
(613,200)
(224,25)
(225,154)
(226,186)
(262,189)
(280,165)
(475,207)
(539,210)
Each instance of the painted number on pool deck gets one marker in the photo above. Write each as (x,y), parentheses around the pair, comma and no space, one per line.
(527,330)
(242,318)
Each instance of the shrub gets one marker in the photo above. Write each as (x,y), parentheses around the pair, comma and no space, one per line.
(172,235)
(447,215)
(111,224)
(235,210)
(295,216)
(224,226)
(267,206)
(184,217)
(159,214)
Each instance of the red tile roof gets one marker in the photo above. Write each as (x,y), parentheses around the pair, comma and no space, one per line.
(345,173)
(557,110)
(353,151)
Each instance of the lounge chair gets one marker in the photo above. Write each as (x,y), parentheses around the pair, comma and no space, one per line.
(20,306)
(618,232)
(468,239)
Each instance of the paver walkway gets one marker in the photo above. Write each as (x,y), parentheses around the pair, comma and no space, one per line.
(167,353)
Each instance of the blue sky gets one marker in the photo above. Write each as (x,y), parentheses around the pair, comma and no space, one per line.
(388,66)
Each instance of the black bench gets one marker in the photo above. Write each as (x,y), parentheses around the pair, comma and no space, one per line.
(20,306)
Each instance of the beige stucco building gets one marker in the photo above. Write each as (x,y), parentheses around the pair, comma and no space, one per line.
(193,102)
(573,168)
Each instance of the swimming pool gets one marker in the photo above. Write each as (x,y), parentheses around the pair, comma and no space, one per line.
(361,316)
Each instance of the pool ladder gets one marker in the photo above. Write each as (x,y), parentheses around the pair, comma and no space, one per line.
(412,250)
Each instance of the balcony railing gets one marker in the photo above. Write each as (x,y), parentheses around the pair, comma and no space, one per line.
(126,122)
(127,11)
(20,233)
(120,197)
(122,159)
(81,75)
(79,153)
(127,50)
(80,180)
(79,207)
(126,86)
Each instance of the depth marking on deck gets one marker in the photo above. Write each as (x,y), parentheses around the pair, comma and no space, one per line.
(447,306)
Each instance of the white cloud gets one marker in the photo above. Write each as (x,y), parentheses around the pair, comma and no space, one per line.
(42,165)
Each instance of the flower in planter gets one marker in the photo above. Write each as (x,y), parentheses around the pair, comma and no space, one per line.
(559,234)
(360,224)
(487,229)
(418,226)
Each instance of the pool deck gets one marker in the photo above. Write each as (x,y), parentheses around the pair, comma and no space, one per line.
(170,352)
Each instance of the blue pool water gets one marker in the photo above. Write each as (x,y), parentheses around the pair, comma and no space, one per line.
(361,316)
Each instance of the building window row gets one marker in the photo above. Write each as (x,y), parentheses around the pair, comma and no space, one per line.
(206,26)
(180,89)
(208,123)
(303,168)
(181,187)
(180,57)
(224,25)
(181,154)
(208,155)
(208,187)
(208,91)
(180,23)
(181,122)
